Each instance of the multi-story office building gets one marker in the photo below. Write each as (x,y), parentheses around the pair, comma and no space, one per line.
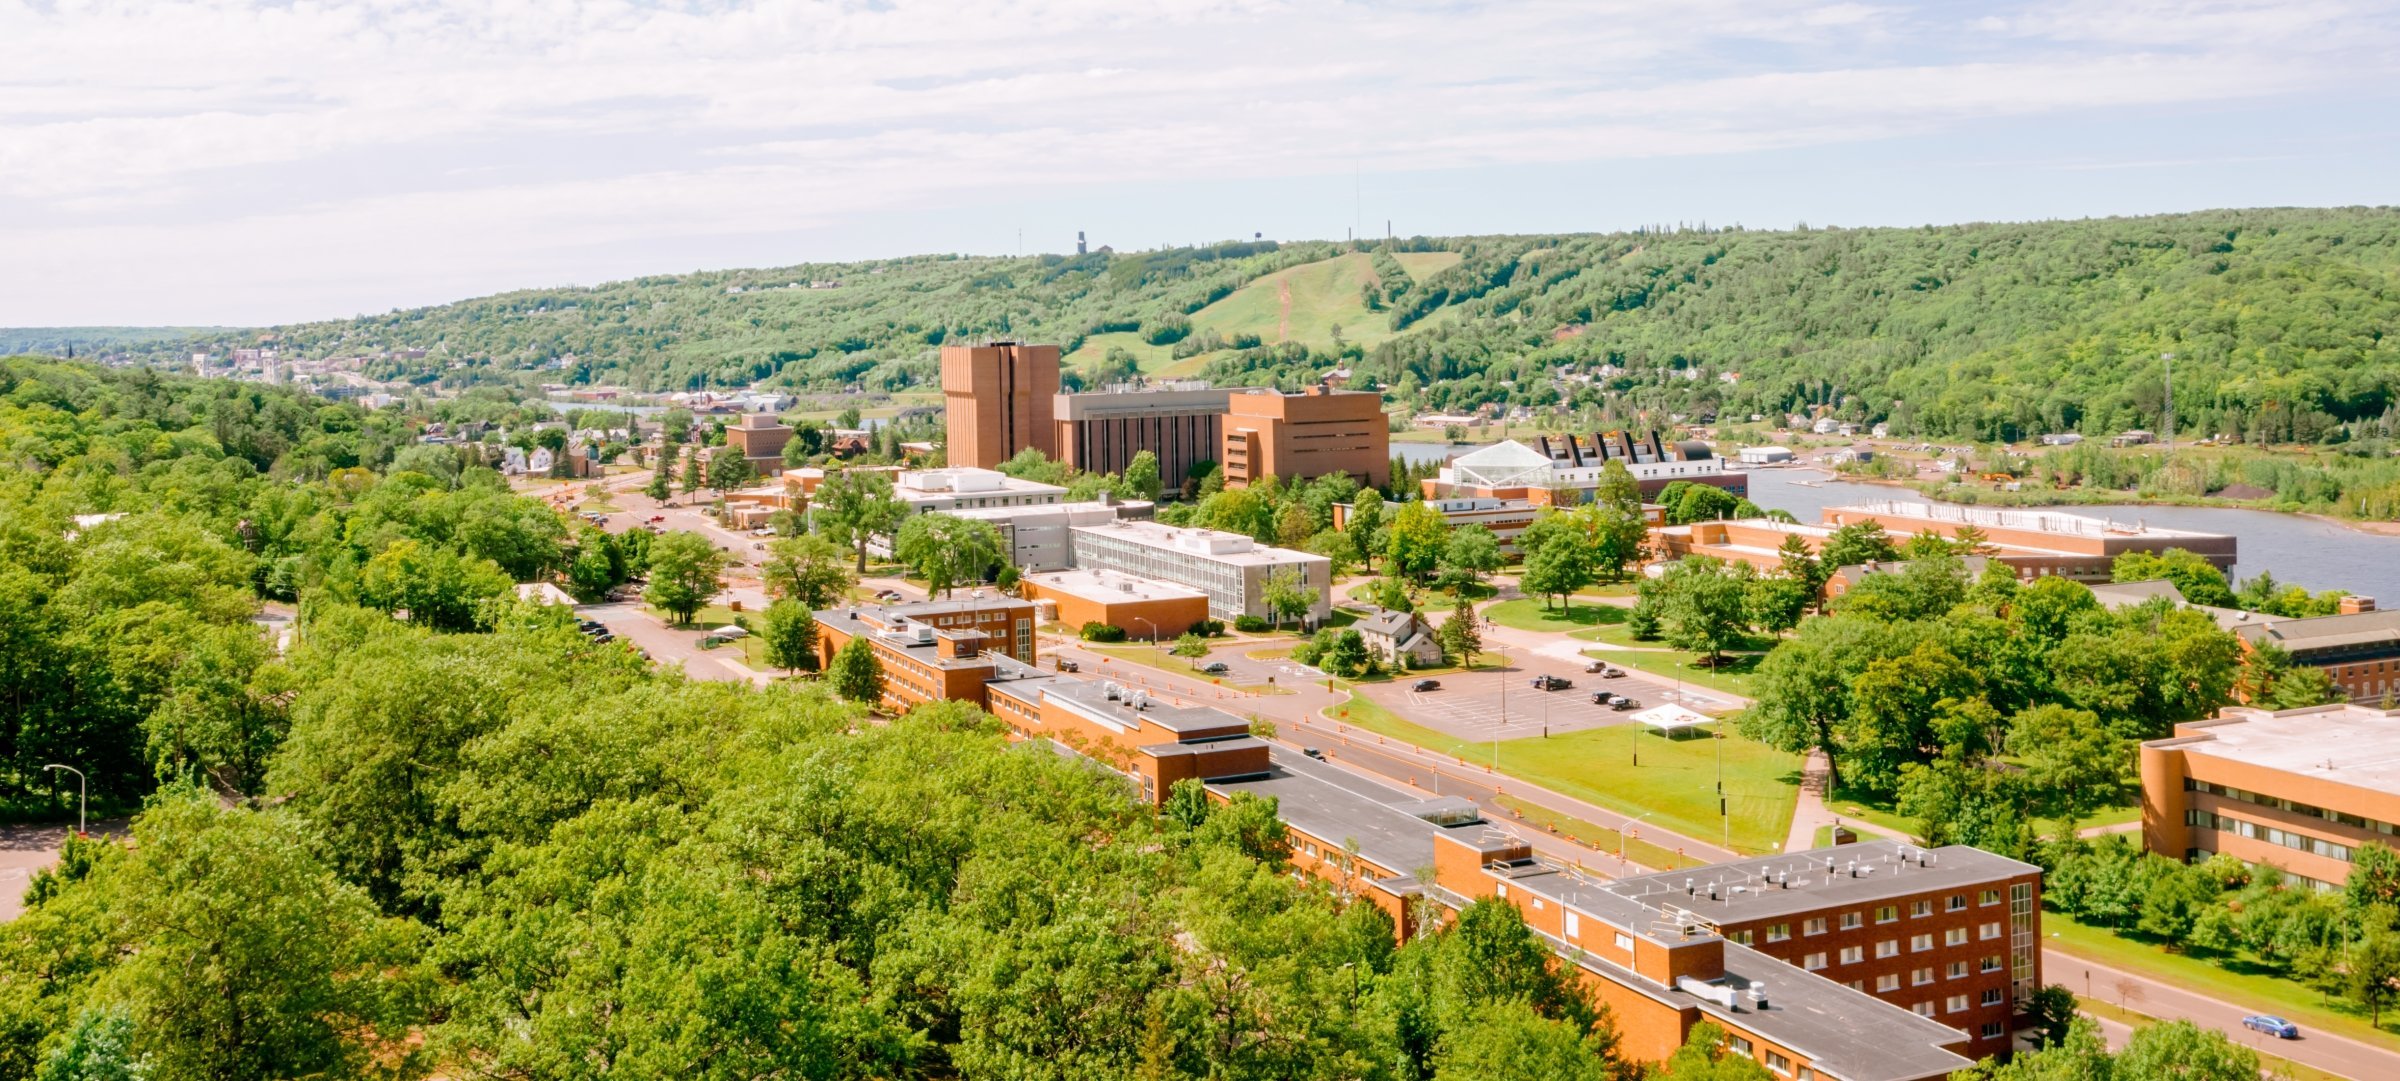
(1952,933)
(2039,542)
(1298,437)
(1035,535)
(2297,789)
(1567,463)
(759,438)
(2359,647)
(998,398)
(1232,569)
(936,650)
(1181,422)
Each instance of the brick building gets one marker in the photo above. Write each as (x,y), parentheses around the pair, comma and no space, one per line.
(1181,422)
(936,650)
(759,438)
(1154,742)
(1144,607)
(998,399)
(2297,789)
(1298,437)
(2039,542)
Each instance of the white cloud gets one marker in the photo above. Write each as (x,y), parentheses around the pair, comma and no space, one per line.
(514,134)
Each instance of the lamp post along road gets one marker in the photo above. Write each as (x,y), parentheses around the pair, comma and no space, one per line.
(83,795)
(1625,830)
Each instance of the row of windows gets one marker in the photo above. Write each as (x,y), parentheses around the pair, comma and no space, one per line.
(2210,820)
(2294,806)
(1851,921)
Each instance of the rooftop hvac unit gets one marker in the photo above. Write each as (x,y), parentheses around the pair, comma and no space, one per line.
(1113,691)
(1141,701)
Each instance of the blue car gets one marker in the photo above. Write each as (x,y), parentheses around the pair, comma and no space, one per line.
(2272,1026)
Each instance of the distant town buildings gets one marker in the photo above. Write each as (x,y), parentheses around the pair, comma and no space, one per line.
(759,438)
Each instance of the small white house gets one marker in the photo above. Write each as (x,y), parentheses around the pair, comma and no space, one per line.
(1764,455)
(1392,635)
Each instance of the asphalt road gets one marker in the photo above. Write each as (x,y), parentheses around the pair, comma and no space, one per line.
(2143,995)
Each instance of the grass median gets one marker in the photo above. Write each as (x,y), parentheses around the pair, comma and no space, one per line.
(1631,770)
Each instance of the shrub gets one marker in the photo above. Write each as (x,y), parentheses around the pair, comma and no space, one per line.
(1097,631)
(1209,628)
(1250,624)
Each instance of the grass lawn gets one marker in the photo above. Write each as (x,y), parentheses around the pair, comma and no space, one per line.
(1675,780)
(1642,853)
(2237,980)
(1429,602)
(1182,666)
(1732,677)
(1879,813)
(751,651)
(1528,614)
(1324,296)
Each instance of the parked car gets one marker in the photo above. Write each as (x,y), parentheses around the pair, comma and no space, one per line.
(1602,698)
(1426,685)
(658,517)
(1612,673)
(1065,665)
(1215,668)
(1313,753)
(1551,683)
(1623,703)
(2272,1026)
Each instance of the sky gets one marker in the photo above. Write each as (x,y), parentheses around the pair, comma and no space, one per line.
(241,163)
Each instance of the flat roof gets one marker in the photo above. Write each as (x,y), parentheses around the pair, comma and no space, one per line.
(1817,879)
(1112,586)
(2043,521)
(1093,509)
(1092,696)
(1338,806)
(2353,745)
(2328,632)
(1212,545)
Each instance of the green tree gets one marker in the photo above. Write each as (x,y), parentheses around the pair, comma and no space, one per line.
(854,507)
(659,487)
(1472,553)
(1366,525)
(1286,596)
(728,471)
(2374,879)
(1798,563)
(1348,654)
(1855,544)
(1141,475)
(1775,603)
(856,673)
(1191,645)
(1706,607)
(1460,637)
(1555,569)
(1338,547)
(1508,1041)
(1416,540)
(1703,503)
(946,550)
(791,635)
(686,572)
(2371,969)
(438,588)
(2194,576)
(98,1048)
(1617,488)
(692,480)
(1392,594)
(1704,1056)
(806,569)
(244,956)
(2073,763)
(2187,1052)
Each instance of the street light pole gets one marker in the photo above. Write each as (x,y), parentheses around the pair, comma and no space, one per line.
(1153,632)
(83,796)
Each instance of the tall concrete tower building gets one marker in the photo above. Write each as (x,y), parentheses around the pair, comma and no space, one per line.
(998,400)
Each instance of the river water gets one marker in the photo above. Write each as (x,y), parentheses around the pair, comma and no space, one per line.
(2296,549)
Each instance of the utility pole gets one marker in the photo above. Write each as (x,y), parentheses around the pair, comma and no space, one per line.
(2170,359)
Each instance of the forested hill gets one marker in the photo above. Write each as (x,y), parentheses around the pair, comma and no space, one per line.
(2281,321)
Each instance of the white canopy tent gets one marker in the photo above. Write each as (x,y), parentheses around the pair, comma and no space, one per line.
(1671,719)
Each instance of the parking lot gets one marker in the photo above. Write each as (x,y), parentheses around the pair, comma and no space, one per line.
(1502,703)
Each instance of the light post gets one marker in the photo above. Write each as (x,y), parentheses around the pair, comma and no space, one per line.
(1627,828)
(83,794)
(1153,632)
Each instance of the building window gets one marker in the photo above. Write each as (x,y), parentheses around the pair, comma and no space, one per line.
(1993,1030)
(1957,970)
(1991,930)
(1956,936)
(1921,977)
(1852,921)
(1991,996)
(1886,913)
(1991,964)
(1502,889)
(1889,981)
(1958,1004)
(1779,1064)
(1574,924)
(1739,1045)
(1777,932)
(1987,897)
(1813,927)
(1923,1009)
(1920,943)
(1920,908)
(1958,902)
(1625,942)
(1889,947)
(1742,937)
(1852,955)
(1813,962)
